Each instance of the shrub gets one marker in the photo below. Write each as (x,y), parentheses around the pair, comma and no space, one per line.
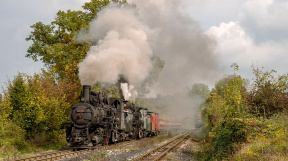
(224,108)
(228,133)
(38,105)
(247,125)
(268,95)
(225,100)
(267,140)
(12,137)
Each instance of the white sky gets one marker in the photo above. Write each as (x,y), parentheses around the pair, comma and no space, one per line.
(246,31)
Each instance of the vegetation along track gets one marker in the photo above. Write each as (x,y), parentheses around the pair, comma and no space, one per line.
(161,151)
(70,153)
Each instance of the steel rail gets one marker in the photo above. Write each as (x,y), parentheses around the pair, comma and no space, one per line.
(168,146)
(70,153)
(162,155)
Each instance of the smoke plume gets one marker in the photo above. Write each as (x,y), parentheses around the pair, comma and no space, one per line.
(128,37)
(123,48)
(182,109)
(188,53)
(128,91)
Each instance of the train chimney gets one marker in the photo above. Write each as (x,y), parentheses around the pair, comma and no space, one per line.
(86,93)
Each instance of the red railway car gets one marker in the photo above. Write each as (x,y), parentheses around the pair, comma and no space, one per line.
(166,126)
(155,126)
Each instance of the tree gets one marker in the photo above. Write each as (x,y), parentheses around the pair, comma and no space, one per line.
(268,94)
(1,98)
(54,44)
(235,66)
(38,104)
(20,109)
(18,95)
(198,89)
(158,65)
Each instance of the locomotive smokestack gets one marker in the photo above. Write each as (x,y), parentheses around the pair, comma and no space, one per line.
(86,93)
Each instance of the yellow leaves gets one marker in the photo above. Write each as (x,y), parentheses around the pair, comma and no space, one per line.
(280,132)
(249,152)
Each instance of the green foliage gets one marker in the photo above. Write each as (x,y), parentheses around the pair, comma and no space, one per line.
(227,98)
(198,89)
(34,108)
(112,90)
(267,140)
(247,125)
(224,107)
(1,99)
(12,137)
(228,133)
(22,112)
(235,66)
(19,95)
(95,6)
(269,94)
(55,45)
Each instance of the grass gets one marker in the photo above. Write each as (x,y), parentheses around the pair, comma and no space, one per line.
(30,149)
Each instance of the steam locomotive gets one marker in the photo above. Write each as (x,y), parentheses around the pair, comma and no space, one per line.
(99,119)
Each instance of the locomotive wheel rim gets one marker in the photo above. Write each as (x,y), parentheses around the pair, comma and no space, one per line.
(140,134)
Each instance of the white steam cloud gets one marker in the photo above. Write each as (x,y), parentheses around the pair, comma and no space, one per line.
(122,48)
(189,54)
(128,91)
(128,37)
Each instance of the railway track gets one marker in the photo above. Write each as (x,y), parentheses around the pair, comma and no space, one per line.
(58,155)
(69,153)
(161,151)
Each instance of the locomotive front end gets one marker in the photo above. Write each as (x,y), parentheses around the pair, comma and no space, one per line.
(83,117)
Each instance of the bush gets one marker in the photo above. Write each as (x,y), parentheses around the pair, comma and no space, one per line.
(37,106)
(225,100)
(267,141)
(268,95)
(247,125)
(12,138)
(228,133)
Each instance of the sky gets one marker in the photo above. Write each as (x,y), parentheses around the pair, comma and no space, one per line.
(247,32)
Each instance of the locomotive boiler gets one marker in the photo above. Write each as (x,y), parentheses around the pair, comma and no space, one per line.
(99,119)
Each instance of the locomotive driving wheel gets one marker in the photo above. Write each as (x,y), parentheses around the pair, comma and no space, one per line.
(140,134)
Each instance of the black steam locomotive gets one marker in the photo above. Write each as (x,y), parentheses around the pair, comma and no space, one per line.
(100,119)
